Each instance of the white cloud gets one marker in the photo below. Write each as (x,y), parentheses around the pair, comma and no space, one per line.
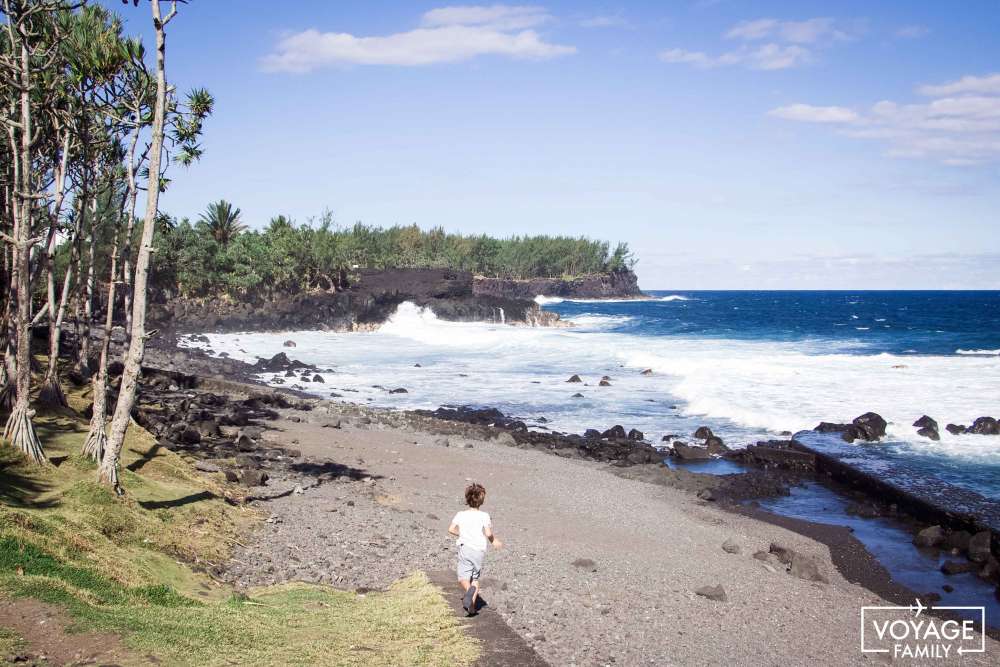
(764,57)
(795,32)
(446,35)
(499,17)
(983,85)
(812,114)
(787,44)
(913,31)
(954,128)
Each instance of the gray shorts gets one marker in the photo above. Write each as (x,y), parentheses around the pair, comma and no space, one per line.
(470,563)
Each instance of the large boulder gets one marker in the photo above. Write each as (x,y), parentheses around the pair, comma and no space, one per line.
(703,433)
(636,434)
(985,426)
(871,424)
(927,428)
(616,432)
(955,429)
(714,445)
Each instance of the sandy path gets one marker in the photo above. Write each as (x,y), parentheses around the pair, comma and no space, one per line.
(651,547)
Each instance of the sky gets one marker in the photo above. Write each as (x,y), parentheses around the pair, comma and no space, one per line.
(733,145)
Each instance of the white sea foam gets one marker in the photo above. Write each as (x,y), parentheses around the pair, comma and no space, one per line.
(746,388)
(979,352)
(543,300)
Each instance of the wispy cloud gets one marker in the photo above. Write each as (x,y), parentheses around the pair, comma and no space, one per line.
(446,35)
(809,31)
(770,44)
(912,31)
(764,57)
(959,126)
(812,114)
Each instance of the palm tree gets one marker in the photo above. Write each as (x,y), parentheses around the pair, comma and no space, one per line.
(222,221)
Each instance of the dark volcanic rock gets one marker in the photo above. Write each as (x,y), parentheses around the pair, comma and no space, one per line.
(636,434)
(714,445)
(955,429)
(957,567)
(616,432)
(689,452)
(984,426)
(871,424)
(930,433)
(775,454)
(615,284)
(574,378)
(979,547)
(927,428)
(703,433)
(929,537)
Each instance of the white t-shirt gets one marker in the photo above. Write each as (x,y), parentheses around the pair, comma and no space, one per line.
(471,523)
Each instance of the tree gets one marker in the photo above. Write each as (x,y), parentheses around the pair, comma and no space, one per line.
(222,221)
(186,130)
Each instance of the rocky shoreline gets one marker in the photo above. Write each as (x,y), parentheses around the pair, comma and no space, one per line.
(372,296)
(775,466)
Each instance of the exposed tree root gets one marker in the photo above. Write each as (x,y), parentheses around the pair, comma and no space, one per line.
(51,394)
(97,440)
(20,433)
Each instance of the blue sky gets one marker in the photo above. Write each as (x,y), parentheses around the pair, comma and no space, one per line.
(769,145)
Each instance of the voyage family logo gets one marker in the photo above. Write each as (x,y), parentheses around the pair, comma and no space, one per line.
(905,632)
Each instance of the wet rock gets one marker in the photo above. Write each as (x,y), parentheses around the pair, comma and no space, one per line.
(648,371)
(318,378)
(703,433)
(731,547)
(577,395)
(926,422)
(616,432)
(289,343)
(979,547)
(716,593)
(930,433)
(636,434)
(871,424)
(574,378)
(592,434)
(689,452)
(991,570)
(714,445)
(398,390)
(984,426)
(606,377)
(955,429)
(604,383)
(958,541)
(951,567)
(932,536)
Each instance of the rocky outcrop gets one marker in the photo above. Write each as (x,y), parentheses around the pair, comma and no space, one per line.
(615,285)
(371,299)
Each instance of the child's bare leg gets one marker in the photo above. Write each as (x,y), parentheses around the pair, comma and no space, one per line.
(464,583)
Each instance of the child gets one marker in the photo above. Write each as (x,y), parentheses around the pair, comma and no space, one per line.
(473,528)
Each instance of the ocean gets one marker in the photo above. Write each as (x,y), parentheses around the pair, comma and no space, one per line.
(750,365)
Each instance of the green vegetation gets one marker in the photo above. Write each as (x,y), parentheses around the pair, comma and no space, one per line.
(121,566)
(215,253)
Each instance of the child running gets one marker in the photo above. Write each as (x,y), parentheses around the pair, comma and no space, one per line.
(473,528)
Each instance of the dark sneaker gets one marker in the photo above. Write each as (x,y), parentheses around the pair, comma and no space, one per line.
(468,604)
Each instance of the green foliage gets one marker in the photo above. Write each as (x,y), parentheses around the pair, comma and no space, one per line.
(217,254)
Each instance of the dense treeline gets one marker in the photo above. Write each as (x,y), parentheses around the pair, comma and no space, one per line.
(90,125)
(217,253)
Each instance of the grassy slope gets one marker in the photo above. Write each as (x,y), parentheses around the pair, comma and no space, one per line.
(131,567)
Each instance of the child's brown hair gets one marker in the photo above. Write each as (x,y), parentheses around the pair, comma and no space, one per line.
(475,494)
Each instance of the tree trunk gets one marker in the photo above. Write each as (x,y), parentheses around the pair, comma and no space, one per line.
(19,430)
(88,287)
(51,392)
(108,472)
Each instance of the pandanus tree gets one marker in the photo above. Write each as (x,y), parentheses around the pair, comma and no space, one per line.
(185,130)
(29,55)
(222,221)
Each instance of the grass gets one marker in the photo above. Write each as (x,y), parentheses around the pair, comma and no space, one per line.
(135,567)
